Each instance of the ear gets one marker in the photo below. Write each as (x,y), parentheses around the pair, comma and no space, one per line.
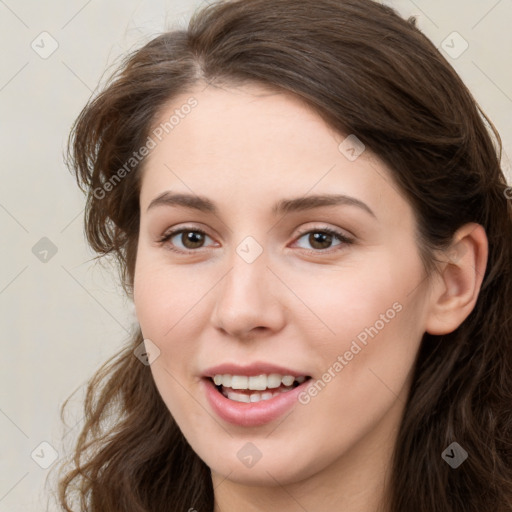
(455,290)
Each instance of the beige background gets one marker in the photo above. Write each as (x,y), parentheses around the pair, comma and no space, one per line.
(62,318)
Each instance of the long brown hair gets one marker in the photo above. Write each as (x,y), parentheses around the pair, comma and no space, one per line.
(366,72)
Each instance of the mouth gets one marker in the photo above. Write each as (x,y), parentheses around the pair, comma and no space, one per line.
(254,394)
(257,388)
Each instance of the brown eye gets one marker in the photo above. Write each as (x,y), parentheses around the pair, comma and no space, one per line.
(321,239)
(192,239)
(189,239)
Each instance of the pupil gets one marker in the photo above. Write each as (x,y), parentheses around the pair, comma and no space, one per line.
(191,235)
(317,239)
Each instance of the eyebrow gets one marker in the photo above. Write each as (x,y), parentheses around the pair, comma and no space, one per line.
(283,207)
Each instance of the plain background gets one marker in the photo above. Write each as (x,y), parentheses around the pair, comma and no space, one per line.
(61,318)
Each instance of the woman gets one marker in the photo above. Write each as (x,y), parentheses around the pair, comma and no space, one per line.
(312,221)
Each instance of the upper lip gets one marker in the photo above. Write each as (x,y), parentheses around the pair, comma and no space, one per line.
(253,369)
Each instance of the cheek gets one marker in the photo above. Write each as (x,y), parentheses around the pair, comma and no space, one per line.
(375,324)
(165,296)
(349,301)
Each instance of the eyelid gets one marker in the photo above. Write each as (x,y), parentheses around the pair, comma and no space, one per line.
(335,232)
(171,233)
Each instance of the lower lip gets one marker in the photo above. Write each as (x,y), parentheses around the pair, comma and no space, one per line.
(251,414)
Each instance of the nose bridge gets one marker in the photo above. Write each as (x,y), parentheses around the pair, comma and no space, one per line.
(244,299)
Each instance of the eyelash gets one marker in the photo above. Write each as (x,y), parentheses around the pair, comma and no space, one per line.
(323,229)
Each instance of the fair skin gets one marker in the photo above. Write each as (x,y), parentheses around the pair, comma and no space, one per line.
(298,304)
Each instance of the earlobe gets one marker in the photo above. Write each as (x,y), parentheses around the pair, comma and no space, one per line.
(456,288)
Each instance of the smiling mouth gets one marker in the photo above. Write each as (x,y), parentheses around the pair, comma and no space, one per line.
(255,389)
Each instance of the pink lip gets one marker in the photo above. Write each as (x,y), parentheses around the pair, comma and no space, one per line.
(251,414)
(253,369)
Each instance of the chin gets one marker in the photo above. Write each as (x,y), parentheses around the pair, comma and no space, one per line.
(272,467)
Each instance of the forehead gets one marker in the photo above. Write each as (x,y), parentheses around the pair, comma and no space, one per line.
(245,144)
(233,123)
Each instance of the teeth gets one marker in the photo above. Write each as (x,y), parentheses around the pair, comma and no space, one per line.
(256,383)
(253,397)
(273,380)
(287,380)
(239,382)
(239,397)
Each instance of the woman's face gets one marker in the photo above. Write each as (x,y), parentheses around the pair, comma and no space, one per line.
(267,292)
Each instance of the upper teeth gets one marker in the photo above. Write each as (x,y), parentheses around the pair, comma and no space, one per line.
(257,383)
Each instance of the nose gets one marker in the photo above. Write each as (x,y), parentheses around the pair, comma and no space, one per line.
(249,300)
